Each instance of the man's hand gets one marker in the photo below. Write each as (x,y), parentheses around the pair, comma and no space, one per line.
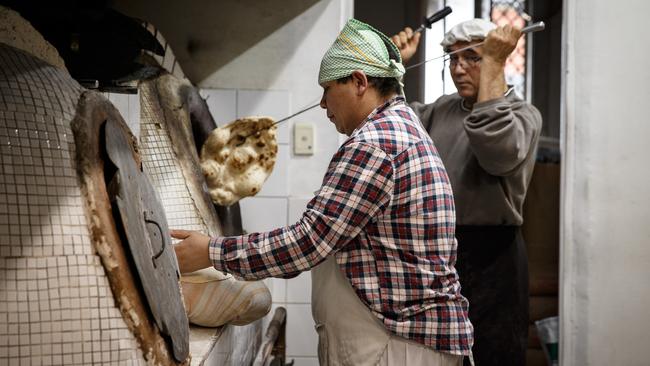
(500,43)
(192,252)
(407,43)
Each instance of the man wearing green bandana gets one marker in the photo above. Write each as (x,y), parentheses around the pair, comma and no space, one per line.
(378,235)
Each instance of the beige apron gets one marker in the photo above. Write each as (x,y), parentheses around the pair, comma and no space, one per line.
(349,334)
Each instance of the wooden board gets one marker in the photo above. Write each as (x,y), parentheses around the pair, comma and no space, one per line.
(145,226)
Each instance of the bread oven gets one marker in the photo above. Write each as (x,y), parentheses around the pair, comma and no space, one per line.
(174,121)
(57,304)
(87,272)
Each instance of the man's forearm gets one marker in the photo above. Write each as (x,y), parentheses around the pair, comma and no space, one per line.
(493,82)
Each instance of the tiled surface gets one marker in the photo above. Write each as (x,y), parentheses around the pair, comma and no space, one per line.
(306,172)
(297,207)
(277,184)
(129,107)
(226,105)
(132,116)
(56,306)
(269,103)
(278,288)
(120,102)
(222,104)
(269,316)
(303,361)
(302,339)
(299,289)
(263,214)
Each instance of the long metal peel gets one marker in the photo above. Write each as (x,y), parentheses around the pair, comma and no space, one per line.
(243,138)
(535,27)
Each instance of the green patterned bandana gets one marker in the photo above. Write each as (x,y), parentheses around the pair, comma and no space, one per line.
(361,47)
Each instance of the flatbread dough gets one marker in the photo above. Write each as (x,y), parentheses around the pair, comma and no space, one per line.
(213,299)
(234,166)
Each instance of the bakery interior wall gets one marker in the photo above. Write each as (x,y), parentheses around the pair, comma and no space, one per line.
(605,293)
(262,58)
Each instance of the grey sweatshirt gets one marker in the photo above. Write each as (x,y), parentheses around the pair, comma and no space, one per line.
(489,154)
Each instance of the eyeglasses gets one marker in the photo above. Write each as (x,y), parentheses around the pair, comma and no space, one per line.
(465,62)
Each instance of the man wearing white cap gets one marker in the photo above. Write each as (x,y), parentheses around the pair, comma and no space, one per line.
(487,138)
(379,233)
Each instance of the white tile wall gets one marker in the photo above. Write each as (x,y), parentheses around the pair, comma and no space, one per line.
(306,172)
(133,115)
(272,103)
(297,207)
(263,214)
(277,185)
(301,337)
(267,319)
(222,104)
(299,289)
(303,361)
(121,102)
(278,288)
(129,107)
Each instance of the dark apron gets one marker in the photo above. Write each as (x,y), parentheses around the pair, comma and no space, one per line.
(493,269)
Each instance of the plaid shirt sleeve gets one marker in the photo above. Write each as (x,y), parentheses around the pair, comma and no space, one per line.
(357,187)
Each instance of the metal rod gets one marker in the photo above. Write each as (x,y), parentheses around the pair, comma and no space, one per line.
(433,18)
(297,113)
(243,138)
(535,27)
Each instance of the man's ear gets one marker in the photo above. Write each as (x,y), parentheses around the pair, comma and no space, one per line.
(360,81)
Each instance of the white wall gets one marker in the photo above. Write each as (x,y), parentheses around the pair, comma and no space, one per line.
(277,77)
(605,265)
(437,76)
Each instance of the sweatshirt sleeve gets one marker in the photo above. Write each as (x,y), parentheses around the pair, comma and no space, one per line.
(424,113)
(358,186)
(501,133)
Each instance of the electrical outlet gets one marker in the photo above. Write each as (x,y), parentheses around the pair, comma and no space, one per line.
(303,139)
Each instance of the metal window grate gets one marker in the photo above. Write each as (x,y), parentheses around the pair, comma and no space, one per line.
(511,12)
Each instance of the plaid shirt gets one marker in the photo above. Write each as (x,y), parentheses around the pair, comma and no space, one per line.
(386,211)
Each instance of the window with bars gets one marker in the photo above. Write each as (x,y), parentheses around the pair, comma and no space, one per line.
(503,12)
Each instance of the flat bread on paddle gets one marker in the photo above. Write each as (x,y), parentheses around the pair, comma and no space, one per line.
(234,166)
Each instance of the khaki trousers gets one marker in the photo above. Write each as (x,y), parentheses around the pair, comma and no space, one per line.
(349,334)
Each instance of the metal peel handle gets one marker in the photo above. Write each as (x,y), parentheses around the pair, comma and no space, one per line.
(535,27)
(428,21)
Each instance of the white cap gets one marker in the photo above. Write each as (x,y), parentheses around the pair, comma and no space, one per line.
(467,31)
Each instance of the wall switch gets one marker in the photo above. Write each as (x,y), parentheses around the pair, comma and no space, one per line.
(303,139)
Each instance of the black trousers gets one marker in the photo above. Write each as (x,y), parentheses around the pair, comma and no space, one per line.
(493,268)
